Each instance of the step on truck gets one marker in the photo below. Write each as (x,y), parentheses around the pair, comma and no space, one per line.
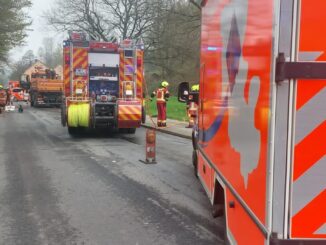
(46,90)
(260,138)
(103,84)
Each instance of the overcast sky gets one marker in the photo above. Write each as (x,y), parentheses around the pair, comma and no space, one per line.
(39,29)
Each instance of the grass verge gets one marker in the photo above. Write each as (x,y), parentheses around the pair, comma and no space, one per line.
(175,109)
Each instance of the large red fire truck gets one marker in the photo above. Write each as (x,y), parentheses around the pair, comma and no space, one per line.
(103,84)
(260,139)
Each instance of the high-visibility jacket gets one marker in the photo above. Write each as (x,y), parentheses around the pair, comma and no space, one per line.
(3,97)
(161,95)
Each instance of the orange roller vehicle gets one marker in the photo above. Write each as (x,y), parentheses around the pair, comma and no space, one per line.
(103,84)
(260,137)
(45,88)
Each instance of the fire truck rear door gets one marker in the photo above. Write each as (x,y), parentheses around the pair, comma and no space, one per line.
(307,204)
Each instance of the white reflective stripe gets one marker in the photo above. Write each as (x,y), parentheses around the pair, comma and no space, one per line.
(321,230)
(309,186)
(310,116)
(231,237)
(309,56)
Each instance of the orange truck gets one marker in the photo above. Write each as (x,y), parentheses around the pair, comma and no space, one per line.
(260,138)
(45,89)
(103,84)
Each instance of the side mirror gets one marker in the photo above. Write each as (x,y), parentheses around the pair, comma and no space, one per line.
(183,92)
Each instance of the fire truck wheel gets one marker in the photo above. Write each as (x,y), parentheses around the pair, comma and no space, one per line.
(131,130)
(63,115)
(73,131)
(195,163)
(122,130)
(143,115)
(194,141)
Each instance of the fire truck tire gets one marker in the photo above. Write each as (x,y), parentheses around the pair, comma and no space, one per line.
(122,131)
(143,115)
(131,130)
(194,141)
(127,130)
(63,115)
(73,131)
(195,162)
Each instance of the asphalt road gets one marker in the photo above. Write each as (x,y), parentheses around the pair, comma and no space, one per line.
(55,189)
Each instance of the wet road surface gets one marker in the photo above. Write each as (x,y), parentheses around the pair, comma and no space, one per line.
(55,189)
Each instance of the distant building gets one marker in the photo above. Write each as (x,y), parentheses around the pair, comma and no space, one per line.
(38,66)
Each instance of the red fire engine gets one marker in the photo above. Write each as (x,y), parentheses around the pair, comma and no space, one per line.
(260,138)
(103,84)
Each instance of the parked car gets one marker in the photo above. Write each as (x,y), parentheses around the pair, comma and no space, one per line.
(17,94)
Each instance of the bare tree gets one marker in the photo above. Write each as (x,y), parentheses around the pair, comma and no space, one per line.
(80,15)
(18,68)
(50,53)
(103,19)
(130,18)
(174,43)
(170,29)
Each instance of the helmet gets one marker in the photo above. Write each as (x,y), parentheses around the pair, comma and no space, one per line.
(164,84)
(195,88)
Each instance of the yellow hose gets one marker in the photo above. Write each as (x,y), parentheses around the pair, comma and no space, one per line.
(78,115)
(84,113)
(72,116)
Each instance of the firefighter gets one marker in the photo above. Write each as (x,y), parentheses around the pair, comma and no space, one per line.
(192,105)
(3,98)
(162,95)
